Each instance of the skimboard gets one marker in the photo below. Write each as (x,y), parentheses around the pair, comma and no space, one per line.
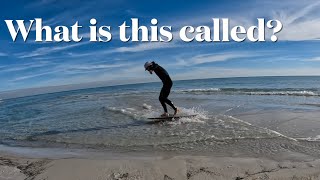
(171,117)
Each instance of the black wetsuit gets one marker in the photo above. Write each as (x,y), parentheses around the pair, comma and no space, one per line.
(166,88)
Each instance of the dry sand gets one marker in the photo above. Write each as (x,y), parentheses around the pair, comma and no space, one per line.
(157,168)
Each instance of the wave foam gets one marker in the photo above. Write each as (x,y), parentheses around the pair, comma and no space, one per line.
(279,92)
(198,90)
(262,128)
(285,93)
(317,138)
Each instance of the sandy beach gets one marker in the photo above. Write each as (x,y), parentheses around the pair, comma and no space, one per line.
(155,168)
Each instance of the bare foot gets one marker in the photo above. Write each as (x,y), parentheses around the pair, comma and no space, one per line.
(176,111)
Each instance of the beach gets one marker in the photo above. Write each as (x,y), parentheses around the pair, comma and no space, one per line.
(245,128)
(167,168)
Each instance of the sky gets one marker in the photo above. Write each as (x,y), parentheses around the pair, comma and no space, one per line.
(33,64)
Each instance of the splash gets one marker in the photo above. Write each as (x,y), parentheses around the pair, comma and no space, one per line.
(143,112)
(131,112)
(147,112)
(202,115)
(146,106)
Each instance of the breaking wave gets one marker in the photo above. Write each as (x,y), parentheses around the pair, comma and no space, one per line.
(199,90)
(248,91)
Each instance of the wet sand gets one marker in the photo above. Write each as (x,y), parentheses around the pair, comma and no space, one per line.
(157,168)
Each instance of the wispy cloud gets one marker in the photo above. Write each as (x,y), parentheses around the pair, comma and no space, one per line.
(3,54)
(122,74)
(74,13)
(47,50)
(216,57)
(96,67)
(313,59)
(301,20)
(39,3)
(66,70)
(24,66)
(214,72)
(145,46)
(300,23)
(22,78)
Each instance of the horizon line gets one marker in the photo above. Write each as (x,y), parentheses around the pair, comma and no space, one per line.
(73,87)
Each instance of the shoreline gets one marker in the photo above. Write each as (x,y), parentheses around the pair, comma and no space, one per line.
(123,166)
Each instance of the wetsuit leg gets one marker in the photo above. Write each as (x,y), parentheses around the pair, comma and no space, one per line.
(162,99)
(170,104)
(165,91)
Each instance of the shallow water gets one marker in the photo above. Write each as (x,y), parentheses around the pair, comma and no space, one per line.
(237,116)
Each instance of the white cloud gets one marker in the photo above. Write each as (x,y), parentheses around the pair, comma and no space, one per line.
(299,23)
(47,50)
(21,78)
(129,73)
(3,54)
(145,46)
(216,57)
(300,19)
(24,66)
(40,3)
(300,31)
(63,70)
(214,72)
(96,67)
(313,59)
(207,58)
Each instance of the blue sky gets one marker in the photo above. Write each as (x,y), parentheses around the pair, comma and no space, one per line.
(29,64)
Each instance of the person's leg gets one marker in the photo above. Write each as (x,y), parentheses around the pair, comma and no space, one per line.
(166,92)
(170,103)
(162,100)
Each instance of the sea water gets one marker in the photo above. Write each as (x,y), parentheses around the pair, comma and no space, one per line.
(236,116)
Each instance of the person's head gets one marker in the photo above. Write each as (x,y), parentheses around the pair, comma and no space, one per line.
(147,66)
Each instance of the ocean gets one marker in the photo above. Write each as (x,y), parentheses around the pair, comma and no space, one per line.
(260,116)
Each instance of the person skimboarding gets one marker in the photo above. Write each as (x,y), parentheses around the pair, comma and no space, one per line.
(166,88)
